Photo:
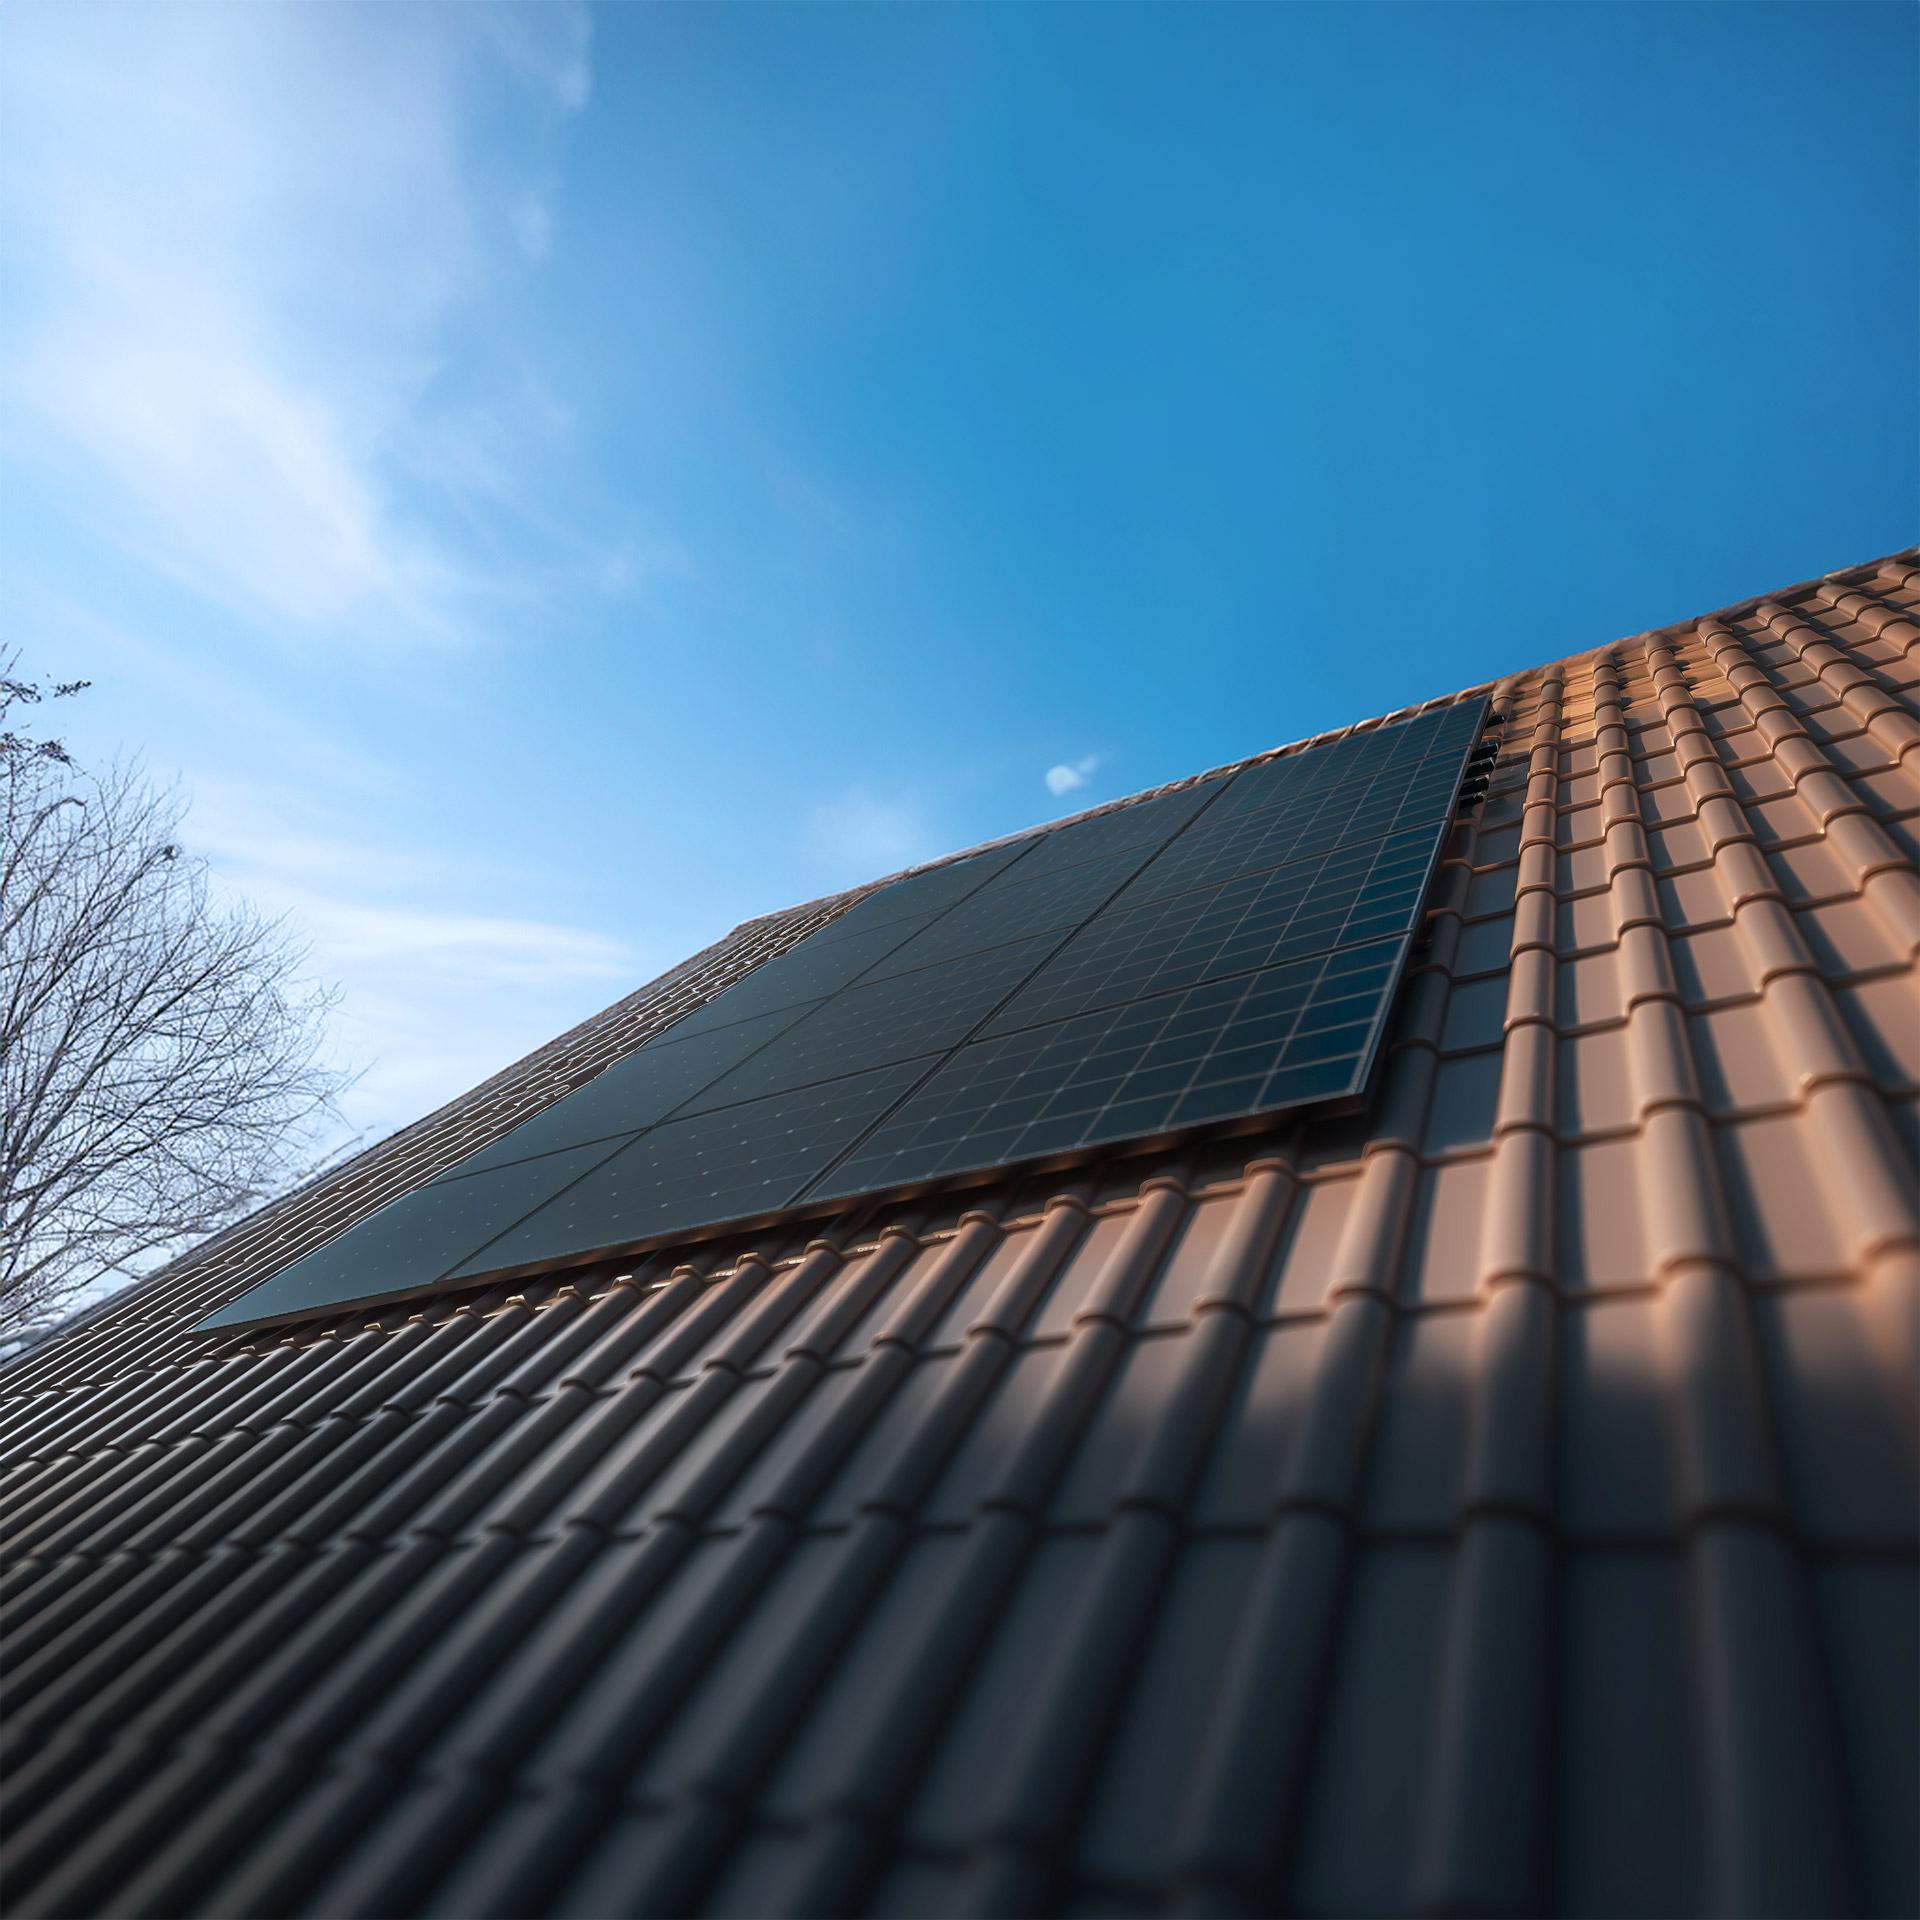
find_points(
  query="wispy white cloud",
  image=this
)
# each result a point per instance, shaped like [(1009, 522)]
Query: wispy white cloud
[(860, 834), (235, 241), (547, 45), (530, 216), (435, 997), (1071, 775)]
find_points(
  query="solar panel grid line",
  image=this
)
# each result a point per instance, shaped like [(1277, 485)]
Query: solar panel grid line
[(1342, 761), (871, 1023), (550, 1128), (996, 918), (939, 887), (618, 1141), (803, 973), (709, 1169), (1236, 926), (1277, 837), (875, 980), (1141, 823), (636, 1091), (1184, 821), (1306, 1075), (416, 1241), (1139, 1067)]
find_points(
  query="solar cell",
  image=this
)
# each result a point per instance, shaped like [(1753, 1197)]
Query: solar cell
[(1233, 926), (1227, 950), (1315, 823), (1358, 756), (1145, 823)]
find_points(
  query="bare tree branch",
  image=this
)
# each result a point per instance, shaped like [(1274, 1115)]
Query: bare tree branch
[(159, 1048)]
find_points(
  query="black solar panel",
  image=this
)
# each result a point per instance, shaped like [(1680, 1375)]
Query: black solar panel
[(898, 1018), (1226, 950), (1011, 909), (413, 1241), (920, 893), (635, 1092), (810, 971), (1246, 1045), (1232, 926), (1144, 824), (728, 1165), (1357, 756), (1315, 822)]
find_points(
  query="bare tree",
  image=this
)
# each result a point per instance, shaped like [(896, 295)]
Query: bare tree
[(160, 1066)]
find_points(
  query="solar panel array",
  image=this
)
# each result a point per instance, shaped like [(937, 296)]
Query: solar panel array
[(1227, 950)]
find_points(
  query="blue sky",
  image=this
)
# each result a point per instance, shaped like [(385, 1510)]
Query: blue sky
[(553, 484)]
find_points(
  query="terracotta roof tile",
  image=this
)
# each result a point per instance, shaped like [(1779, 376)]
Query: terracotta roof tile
[(1503, 1500)]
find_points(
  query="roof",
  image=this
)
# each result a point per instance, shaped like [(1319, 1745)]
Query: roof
[(1503, 1501)]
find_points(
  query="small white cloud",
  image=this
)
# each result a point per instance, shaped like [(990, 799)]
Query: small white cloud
[(530, 219), (549, 46), (1071, 776), (860, 834)]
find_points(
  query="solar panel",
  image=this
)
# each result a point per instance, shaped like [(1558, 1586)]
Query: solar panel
[(1143, 1067), (809, 971), (713, 1167), (1316, 821), (897, 1018), (635, 1092), (413, 1241), (1146, 823), (1010, 909), (920, 893), (1227, 950), (1355, 756), (1231, 926)]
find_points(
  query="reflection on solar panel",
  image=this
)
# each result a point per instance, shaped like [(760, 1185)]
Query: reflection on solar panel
[(1220, 952)]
